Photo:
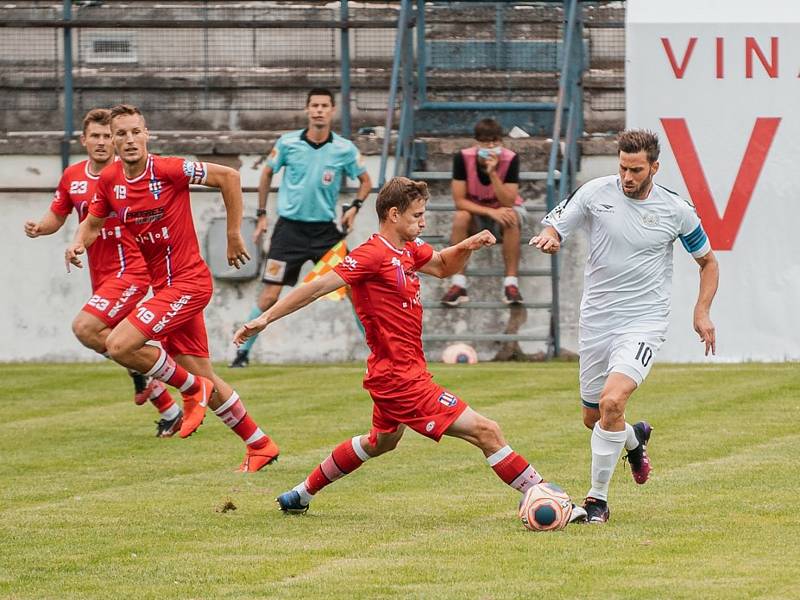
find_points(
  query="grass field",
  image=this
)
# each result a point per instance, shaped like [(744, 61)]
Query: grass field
[(94, 506)]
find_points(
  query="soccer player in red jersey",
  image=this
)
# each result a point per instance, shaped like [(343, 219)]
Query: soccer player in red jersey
[(118, 272), (150, 195), (382, 274)]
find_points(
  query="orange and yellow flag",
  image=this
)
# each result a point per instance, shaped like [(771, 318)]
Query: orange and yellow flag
[(332, 258)]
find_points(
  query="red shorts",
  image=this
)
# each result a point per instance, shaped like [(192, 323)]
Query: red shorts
[(428, 409), (114, 299), (174, 317)]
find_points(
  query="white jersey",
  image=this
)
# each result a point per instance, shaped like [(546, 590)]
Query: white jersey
[(628, 277)]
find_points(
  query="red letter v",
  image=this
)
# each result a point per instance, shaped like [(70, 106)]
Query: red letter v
[(679, 70), (721, 231)]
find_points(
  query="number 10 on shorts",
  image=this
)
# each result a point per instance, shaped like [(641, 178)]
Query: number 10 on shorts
[(644, 354)]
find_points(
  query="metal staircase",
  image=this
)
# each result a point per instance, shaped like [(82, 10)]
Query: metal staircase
[(436, 99)]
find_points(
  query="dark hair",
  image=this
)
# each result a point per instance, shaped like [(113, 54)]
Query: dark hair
[(488, 130), (320, 92), (125, 109), (101, 116), (638, 140), (399, 192)]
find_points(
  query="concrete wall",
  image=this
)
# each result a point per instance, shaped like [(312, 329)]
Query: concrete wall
[(39, 298)]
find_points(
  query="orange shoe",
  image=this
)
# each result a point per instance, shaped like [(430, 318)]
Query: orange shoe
[(256, 459), (195, 406)]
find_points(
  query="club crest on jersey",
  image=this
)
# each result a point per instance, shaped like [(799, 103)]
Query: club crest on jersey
[(156, 187), (651, 219), (327, 177), (447, 399)]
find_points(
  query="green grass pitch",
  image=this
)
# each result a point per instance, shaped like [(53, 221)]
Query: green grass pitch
[(94, 506)]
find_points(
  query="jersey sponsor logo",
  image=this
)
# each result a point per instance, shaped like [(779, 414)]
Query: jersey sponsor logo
[(327, 177), (350, 263), (604, 208), (651, 219), (142, 217), (124, 297), (274, 270), (146, 316), (448, 399), (78, 187), (152, 237)]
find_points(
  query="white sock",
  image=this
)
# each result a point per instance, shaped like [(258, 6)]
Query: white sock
[(172, 412), (631, 441), (606, 448), (510, 280), (305, 497), (460, 280)]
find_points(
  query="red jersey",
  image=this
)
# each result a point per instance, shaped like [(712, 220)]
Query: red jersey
[(386, 297), (114, 253), (156, 208)]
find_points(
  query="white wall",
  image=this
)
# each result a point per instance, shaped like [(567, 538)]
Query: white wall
[(719, 98)]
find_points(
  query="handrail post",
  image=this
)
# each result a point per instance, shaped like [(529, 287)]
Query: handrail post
[(69, 127), (402, 22), (344, 15)]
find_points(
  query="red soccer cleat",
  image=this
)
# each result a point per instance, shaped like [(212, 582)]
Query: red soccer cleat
[(195, 406), (257, 458), (142, 394)]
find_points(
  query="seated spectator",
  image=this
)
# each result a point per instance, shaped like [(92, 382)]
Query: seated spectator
[(485, 190)]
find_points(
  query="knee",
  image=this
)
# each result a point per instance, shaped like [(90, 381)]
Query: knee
[(612, 405), (116, 347), (87, 335), (461, 219), (589, 420), (382, 446), (268, 297), (489, 435)]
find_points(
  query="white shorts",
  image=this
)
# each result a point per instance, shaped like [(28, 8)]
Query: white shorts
[(601, 353)]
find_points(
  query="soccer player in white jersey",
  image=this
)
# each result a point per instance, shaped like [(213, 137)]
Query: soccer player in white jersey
[(632, 225)]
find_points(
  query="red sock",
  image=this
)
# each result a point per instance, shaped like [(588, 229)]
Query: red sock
[(513, 469), (344, 459), (170, 372), (161, 399), (234, 415)]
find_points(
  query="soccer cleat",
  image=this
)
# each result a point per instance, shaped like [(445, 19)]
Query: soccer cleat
[(511, 295), (143, 387), (195, 406), (455, 295), (241, 361), (166, 428), (256, 459), (578, 514), (597, 510), (638, 458), (289, 502)]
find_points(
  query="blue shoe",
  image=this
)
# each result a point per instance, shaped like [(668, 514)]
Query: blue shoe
[(289, 502)]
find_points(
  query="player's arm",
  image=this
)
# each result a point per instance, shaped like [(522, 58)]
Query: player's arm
[(709, 282), (451, 260), (48, 224), (295, 300), (85, 236), (548, 240), (229, 183), (364, 188), (264, 183)]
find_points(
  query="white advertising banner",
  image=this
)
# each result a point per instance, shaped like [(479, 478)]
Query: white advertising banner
[(719, 81)]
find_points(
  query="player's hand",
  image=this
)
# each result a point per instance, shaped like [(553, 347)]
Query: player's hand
[(479, 240), (261, 229), (490, 164), (546, 243), (505, 215), (32, 229), (705, 329), (237, 253), (248, 330), (71, 255), (349, 219)]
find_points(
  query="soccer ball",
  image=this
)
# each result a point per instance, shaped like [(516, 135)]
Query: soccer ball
[(545, 507), (459, 353)]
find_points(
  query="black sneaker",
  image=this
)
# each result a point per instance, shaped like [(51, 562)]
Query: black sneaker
[(290, 503), (140, 381), (596, 510), (241, 361), (455, 295), (638, 458), (511, 295), (168, 427)]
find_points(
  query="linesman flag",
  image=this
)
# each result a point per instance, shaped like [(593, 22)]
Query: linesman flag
[(332, 258)]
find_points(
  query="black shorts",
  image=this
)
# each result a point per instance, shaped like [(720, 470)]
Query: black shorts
[(292, 244)]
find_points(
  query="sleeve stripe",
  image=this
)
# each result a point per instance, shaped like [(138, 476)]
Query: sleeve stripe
[(695, 240)]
